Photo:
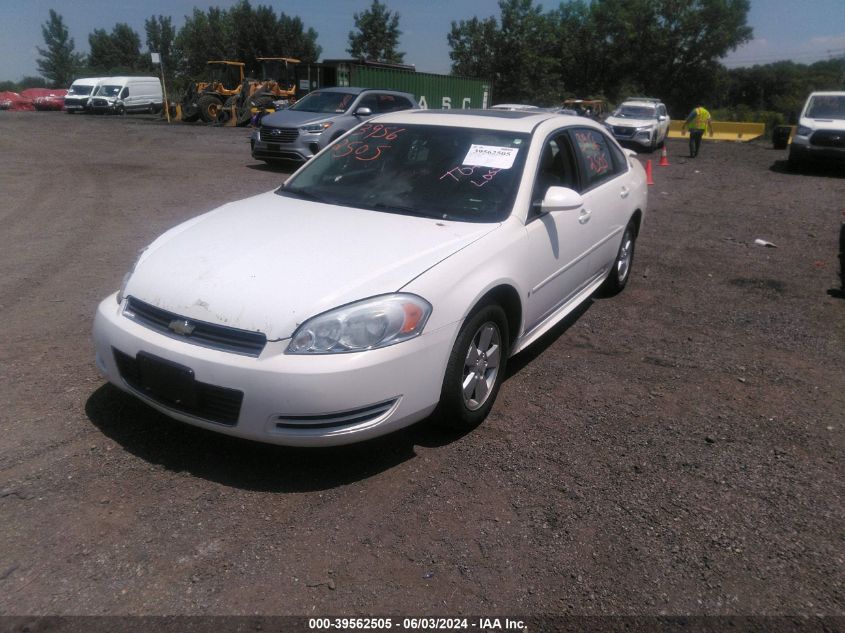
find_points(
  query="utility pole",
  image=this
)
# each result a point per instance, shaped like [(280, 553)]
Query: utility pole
[(156, 59)]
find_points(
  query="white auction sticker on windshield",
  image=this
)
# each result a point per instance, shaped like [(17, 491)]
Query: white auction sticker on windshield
[(491, 156)]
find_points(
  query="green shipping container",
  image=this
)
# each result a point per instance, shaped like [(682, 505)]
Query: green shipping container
[(433, 92)]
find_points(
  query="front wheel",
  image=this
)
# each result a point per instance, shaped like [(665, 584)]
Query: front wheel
[(619, 274), (209, 108), (795, 159), (475, 369)]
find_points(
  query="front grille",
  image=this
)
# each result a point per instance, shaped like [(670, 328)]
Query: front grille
[(337, 420), (828, 138), (619, 130), (219, 337), (99, 103), (278, 134), (212, 403)]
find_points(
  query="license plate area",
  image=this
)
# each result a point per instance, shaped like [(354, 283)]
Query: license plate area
[(167, 382)]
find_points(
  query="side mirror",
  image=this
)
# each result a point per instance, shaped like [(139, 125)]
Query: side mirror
[(662, 117), (363, 111), (560, 199)]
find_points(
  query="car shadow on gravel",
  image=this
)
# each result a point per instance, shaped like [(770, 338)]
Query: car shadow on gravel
[(231, 461), (825, 170)]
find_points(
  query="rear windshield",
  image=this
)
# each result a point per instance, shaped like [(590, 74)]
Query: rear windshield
[(826, 107), (450, 173)]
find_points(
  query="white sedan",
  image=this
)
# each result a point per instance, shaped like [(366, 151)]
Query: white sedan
[(389, 279)]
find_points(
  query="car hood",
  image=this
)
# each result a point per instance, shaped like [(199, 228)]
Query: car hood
[(628, 122), (822, 123), (295, 118), (269, 262)]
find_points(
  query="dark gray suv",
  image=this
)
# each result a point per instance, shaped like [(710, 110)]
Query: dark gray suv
[(320, 117)]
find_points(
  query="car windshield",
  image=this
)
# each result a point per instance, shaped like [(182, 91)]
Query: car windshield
[(450, 173), (636, 112), (329, 102), (108, 91), (80, 90), (826, 107)]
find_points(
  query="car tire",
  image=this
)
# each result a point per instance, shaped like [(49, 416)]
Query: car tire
[(475, 370), (209, 108), (190, 113), (620, 272)]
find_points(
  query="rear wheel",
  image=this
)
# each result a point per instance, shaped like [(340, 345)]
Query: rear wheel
[(209, 108), (475, 369)]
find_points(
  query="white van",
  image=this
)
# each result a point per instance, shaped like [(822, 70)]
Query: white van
[(821, 130), (128, 94), (79, 94)]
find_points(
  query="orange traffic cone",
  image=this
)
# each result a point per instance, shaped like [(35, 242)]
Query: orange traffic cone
[(649, 179), (664, 158)]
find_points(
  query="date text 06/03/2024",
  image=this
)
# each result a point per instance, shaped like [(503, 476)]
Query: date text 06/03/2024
[(417, 624)]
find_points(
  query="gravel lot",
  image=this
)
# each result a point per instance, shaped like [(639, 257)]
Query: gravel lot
[(673, 450)]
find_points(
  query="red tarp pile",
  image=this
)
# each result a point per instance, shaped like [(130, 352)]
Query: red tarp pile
[(33, 99)]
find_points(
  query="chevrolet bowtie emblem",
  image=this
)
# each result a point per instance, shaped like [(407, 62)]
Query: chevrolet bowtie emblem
[(181, 327)]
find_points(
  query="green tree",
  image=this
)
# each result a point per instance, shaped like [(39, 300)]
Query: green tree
[(473, 47), (579, 50), (259, 32), (58, 62), (518, 52), (377, 35), (241, 34), (160, 38), (118, 51), (203, 37), (296, 41), (669, 48)]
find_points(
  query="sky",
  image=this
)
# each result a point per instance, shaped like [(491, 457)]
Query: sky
[(801, 30)]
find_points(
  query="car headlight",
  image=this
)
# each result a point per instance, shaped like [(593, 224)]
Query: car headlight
[(368, 324), (803, 131), (316, 127)]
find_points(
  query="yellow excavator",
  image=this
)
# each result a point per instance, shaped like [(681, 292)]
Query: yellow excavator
[(227, 88), (205, 99)]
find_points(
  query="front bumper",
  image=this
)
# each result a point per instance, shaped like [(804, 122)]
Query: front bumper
[(631, 135), (76, 105), (302, 149), (296, 400), (804, 149)]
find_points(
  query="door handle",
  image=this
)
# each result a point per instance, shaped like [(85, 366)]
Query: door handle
[(624, 193), (584, 217)]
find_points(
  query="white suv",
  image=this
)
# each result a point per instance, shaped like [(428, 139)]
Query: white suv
[(640, 120), (821, 129)]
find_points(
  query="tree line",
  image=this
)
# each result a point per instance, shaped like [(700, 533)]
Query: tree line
[(611, 49)]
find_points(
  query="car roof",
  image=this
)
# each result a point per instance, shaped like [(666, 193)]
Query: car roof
[(507, 120), (358, 90), (642, 102)]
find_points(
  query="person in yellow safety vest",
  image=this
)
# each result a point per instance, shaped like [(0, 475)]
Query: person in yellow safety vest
[(697, 121)]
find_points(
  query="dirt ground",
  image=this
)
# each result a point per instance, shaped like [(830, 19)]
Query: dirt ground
[(673, 450)]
